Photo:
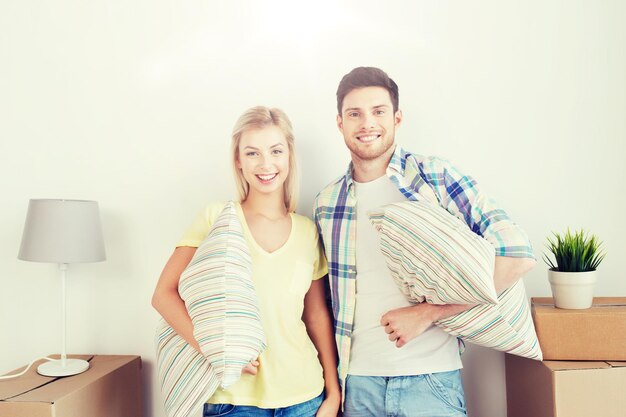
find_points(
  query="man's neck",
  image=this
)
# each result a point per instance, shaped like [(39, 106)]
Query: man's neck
[(369, 170)]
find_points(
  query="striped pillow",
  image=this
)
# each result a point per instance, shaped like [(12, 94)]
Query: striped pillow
[(221, 300), (433, 256), (427, 249), (506, 326), (187, 380)]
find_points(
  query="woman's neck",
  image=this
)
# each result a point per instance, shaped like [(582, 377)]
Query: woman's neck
[(271, 206)]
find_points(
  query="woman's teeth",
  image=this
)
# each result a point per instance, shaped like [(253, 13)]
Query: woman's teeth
[(267, 177)]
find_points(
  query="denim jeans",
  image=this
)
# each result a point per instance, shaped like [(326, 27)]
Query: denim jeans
[(430, 395), (305, 409)]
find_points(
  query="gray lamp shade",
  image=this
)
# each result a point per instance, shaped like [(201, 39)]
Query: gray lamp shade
[(62, 231)]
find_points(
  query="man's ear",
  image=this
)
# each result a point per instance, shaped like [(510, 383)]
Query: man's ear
[(398, 117), (340, 123)]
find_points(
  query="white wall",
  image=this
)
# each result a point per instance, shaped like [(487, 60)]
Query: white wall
[(132, 103)]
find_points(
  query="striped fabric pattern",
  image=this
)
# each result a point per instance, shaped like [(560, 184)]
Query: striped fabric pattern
[(187, 379), (447, 263), (506, 326), (219, 294), (418, 239)]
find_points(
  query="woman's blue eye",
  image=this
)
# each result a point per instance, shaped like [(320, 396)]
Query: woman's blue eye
[(278, 151), (250, 153)]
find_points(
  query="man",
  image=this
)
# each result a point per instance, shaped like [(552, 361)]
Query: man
[(392, 359)]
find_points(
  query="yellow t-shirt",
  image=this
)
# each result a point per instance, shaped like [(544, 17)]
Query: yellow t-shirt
[(289, 372)]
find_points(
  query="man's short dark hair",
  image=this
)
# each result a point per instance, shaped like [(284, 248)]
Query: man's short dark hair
[(367, 77)]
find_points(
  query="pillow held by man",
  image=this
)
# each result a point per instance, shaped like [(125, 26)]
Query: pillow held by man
[(435, 257)]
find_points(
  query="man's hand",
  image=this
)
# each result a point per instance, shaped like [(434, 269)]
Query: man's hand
[(251, 368), (406, 323)]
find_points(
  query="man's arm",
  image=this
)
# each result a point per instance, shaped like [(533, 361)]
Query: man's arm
[(460, 194), (508, 271), (404, 324)]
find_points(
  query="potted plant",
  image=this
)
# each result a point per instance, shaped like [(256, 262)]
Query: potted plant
[(573, 275)]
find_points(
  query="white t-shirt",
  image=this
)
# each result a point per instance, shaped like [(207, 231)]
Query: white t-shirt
[(372, 353)]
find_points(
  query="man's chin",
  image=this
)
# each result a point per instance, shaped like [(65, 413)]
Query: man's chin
[(370, 153)]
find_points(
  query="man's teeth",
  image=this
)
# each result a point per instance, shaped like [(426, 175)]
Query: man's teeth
[(267, 177), (368, 138)]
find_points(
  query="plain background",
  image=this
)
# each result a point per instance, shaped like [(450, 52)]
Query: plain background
[(131, 103)]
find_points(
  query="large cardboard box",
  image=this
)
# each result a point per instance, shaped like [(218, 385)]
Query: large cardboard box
[(111, 387), (597, 333), (565, 389)]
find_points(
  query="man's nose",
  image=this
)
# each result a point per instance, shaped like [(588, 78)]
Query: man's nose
[(368, 121)]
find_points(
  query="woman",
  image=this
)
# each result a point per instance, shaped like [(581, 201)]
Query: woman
[(289, 269)]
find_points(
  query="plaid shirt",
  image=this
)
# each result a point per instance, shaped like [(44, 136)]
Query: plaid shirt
[(418, 178)]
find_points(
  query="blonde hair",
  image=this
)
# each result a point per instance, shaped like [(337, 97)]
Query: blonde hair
[(260, 117)]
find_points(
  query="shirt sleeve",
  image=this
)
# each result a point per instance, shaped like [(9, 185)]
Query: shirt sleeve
[(320, 265), (197, 231), (461, 196)]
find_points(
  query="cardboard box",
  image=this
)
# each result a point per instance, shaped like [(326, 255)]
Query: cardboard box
[(565, 389), (111, 387), (597, 333)]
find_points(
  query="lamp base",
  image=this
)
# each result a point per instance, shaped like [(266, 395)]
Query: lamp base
[(56, 368)]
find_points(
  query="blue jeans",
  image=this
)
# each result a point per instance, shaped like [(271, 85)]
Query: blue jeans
[(305, 409), (430, 395)]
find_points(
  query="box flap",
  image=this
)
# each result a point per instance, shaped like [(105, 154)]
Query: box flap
[(31, 380), (598, 302), (22, 384), (617, 364), (576, 365)]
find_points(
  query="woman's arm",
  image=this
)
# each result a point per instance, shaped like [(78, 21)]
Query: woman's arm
[(166, 299), (318, 325)]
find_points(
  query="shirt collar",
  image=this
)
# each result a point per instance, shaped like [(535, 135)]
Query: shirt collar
[(397, 164)]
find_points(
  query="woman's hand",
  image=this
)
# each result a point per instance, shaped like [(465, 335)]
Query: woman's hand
[(251, 368), (329, 407)]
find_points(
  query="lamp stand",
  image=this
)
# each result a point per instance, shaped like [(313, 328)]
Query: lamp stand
[(63, 366)]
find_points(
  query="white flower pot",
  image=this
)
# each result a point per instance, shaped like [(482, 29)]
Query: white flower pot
[(572, 290)]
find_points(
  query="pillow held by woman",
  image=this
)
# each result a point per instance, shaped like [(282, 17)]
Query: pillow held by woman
[(219, 294)]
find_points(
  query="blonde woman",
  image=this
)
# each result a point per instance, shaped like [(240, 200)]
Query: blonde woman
[(296, 375)]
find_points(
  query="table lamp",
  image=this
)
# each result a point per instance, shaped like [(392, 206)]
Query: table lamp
[(62, 232)]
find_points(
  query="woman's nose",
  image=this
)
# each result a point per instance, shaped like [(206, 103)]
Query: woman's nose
[(264, 161)]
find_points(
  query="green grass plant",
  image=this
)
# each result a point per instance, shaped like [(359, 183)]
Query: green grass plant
[(577, 252)]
